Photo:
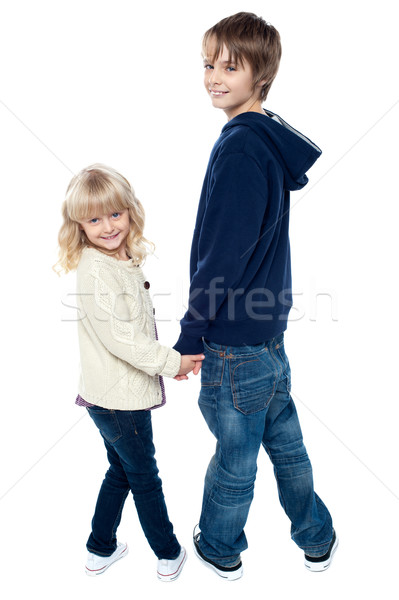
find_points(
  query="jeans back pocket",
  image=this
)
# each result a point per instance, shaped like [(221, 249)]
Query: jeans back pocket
[(107, 422), (253, 382)]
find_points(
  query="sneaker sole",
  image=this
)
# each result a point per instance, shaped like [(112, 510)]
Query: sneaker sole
[(94, 573), (322, 566), (228, 575)]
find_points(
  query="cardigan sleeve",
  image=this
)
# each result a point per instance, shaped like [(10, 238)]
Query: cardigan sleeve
[(115, 320)]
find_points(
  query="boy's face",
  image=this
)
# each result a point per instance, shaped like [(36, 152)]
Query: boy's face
[(230, 85)]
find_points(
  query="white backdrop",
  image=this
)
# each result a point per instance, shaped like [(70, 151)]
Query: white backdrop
[(121, 82)]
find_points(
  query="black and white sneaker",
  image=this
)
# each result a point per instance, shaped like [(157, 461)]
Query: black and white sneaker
[(229, 573), (321, 563)]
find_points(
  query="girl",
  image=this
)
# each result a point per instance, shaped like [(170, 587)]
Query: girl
[(122, 363)]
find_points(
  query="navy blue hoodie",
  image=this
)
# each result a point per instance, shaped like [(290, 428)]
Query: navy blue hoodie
[(240, 266)]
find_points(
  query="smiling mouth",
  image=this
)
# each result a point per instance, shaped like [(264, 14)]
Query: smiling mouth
[(111, 237), (217, 93)]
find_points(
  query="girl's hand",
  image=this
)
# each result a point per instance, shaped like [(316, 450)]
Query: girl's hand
[(189, 362), (180, 377)]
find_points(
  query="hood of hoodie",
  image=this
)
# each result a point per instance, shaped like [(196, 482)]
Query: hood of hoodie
[(294, 152)]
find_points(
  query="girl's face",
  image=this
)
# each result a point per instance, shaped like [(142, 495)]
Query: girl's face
[(109, 232)]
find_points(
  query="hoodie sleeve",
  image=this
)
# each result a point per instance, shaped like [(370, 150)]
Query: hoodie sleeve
[(229, 230)]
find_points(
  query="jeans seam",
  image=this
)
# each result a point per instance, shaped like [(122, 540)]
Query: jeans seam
[(256, 355), (305, 549), (133, 422), (233, 387), (236, 492), (118, 516), (137, 433), (286, 367), (219, 383), (161, 517), (212, 349)]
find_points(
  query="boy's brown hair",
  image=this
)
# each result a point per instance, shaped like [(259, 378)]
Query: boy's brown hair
[(249, 37)]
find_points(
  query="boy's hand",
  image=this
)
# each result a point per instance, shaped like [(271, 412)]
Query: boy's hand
[(189, 362)]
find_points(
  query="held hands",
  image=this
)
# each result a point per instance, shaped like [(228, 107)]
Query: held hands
[(189, 362)]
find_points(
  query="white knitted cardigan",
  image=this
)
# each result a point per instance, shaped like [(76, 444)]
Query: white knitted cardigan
[(120, 358)]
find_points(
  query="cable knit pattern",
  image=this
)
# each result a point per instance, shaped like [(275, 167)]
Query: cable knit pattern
[(121, 360)]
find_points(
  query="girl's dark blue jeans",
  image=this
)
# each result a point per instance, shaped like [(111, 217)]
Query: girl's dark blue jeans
[(127, 437)]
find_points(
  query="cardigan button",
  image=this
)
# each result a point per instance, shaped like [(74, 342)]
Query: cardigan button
[(147, 285)]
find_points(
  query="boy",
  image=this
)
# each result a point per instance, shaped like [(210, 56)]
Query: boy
[(240, 297)]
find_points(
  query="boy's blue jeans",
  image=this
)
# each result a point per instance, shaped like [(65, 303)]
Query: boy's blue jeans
[(246, 402), (127, 437)]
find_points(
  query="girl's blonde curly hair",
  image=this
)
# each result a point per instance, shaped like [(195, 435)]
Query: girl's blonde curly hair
[(99, 190)]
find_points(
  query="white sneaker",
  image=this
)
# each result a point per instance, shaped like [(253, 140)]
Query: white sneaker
[(95, 565), (169, 570)]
